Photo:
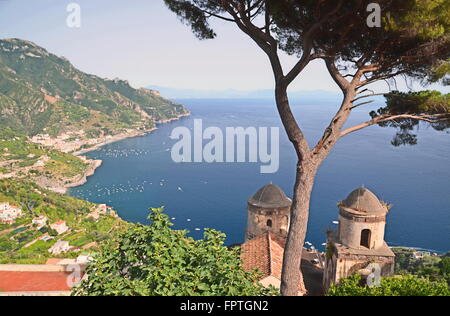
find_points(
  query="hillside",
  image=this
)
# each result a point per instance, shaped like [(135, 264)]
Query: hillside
[(41, 93), (52, 169), (25, 242)]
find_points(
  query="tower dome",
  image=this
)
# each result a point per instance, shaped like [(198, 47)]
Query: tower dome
[(358, 246), (270, 196), (268, 211), (362, 220), (363, 202)]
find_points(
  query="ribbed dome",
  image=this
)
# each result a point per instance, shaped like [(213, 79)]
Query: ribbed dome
[(270, 196), (363, 200)]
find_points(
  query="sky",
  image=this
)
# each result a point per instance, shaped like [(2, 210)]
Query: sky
[(143, 42)]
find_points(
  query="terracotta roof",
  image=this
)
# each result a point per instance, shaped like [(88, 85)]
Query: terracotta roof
[(33, 281), (264, 253)]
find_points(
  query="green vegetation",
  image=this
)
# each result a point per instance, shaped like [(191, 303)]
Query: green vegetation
[(436, 268), (432, 106), (156, 260), (36, 201), (394, 286), (427, 276), (43, 93), (18, 154)]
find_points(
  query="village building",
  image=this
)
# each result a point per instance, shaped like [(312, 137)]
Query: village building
[(84, 259), (46, 237), (358, 245), (60, 227), (9, 213), (419, 255), (60, 247), (94, 215), (104, 209), (40, 222)]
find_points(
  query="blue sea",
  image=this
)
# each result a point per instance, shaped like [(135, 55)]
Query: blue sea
[(138, 174)]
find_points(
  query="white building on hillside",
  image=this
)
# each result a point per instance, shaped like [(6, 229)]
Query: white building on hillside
[(40, 222), (60, 247), (9, 213), (60, 227)]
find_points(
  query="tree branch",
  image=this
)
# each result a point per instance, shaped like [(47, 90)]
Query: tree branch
[(368, 96), (336, 75), (361, 104), (430, 118)]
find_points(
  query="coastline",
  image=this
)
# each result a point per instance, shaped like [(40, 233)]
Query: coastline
[(113, 139), (62, 188), (122, 136), (94, 164)]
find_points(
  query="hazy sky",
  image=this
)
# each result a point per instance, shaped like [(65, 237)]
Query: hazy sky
[(143, 42)]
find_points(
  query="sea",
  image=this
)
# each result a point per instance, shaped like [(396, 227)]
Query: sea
[(139, 173)]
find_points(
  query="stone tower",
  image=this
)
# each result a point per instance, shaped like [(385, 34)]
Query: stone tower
[(268, 211), (358, 245)]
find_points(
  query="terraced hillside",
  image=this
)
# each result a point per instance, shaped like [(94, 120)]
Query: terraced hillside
[(25, 242), (19, 158)]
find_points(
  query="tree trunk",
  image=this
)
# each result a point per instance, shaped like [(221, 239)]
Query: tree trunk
[(292, 280)]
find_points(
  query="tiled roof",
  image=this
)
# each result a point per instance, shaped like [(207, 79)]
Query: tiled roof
[(11, 281), (264, 253)]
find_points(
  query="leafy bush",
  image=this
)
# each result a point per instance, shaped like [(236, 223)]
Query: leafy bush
[(158, 261), (408, 285)]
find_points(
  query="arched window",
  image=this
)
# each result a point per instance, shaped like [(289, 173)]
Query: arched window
[(366, 235), (269, 223)]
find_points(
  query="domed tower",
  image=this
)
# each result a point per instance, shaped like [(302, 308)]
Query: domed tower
[(358, 246), (268, 211), (362, 220)]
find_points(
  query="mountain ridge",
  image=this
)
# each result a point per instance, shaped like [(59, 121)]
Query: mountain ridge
[(43, 93)]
